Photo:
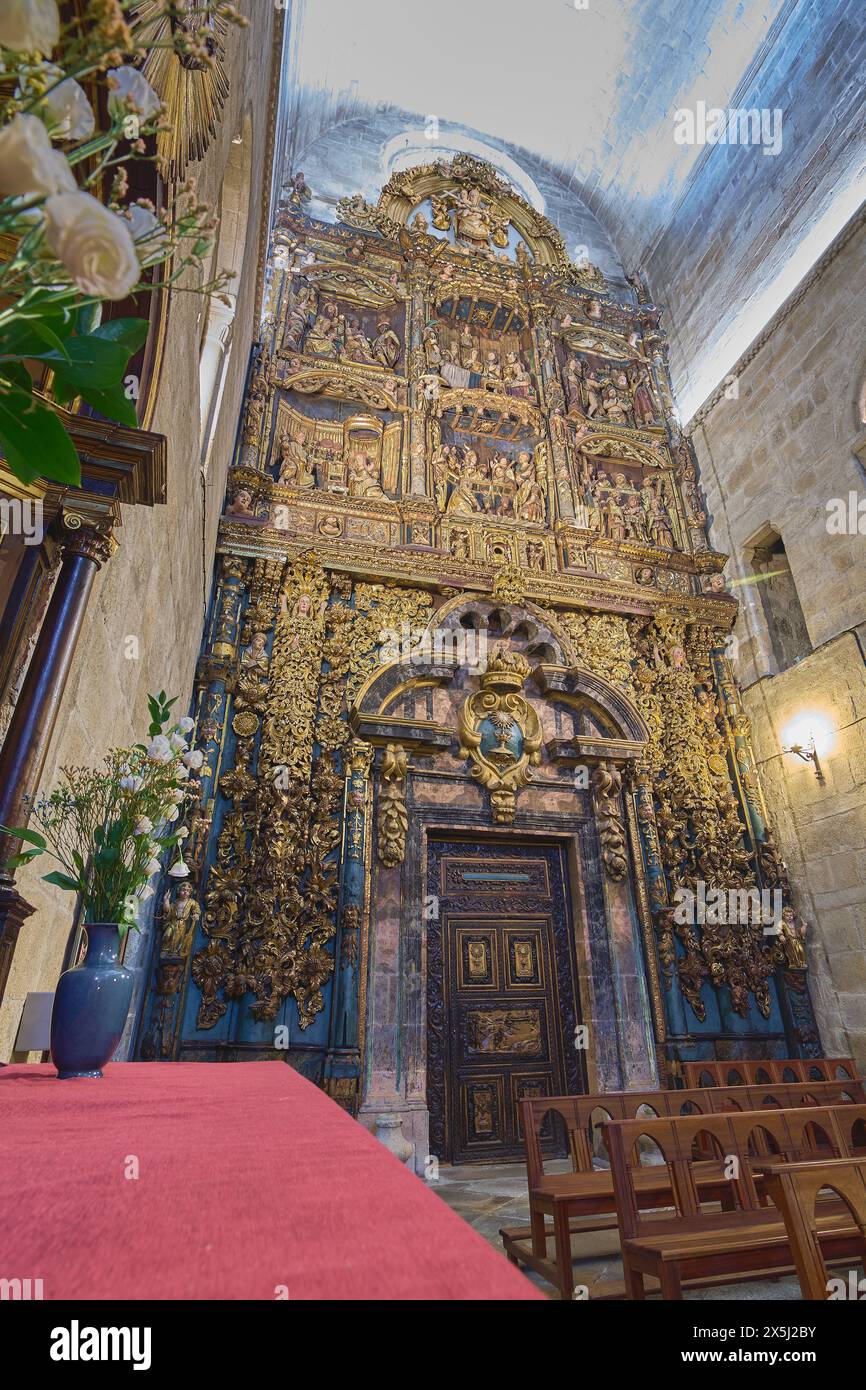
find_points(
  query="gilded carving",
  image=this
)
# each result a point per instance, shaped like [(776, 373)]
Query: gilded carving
[(607, 793), (500, 732), (393, 819)]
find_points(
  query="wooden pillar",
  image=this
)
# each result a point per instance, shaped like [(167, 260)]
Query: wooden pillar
[(84, 548)]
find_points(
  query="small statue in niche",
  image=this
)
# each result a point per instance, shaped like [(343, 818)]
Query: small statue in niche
[(241, 505), (252, 431), (324, 337), (299, 193), (635, 516), (301, 307), (463, 500), (459, 545), (357, 347), (529, 501), (643, 407), (386, 345), (466, 346), (439, 467), (432, 348), (615, 518), (492, 376), (254, 657), (660, 528), (613, 408), (502, 485), (364, 477), (294, 464), (516, 377), (180, 919), (535, 555)]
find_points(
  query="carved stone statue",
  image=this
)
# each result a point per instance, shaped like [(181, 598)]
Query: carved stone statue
[(179, 921), (364, 477), (294, 463), (324, 337), (386, 345)]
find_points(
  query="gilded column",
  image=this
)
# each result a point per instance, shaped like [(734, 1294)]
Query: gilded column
[(343, 1063)]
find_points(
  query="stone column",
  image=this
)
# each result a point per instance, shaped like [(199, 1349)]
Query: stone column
[(85, 546)]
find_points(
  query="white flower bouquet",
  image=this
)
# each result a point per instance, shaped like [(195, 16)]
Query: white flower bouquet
[(107, 829), (75, 110)]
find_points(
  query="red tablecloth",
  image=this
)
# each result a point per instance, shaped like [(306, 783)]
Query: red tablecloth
[(249, 1179)]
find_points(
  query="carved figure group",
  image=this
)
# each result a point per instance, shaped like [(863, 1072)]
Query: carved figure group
[(616, 508), (619, 395), (499, 485)]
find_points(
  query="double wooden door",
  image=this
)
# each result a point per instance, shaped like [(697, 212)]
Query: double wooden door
[(501, 998)]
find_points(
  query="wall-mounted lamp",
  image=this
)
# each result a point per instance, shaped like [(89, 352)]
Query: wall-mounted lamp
[(809, 737), (809, 754)]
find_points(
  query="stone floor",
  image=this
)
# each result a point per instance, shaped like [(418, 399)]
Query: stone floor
[(490, 1196)]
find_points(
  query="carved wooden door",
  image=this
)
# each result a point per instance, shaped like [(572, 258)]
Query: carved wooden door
[(503, 1013)]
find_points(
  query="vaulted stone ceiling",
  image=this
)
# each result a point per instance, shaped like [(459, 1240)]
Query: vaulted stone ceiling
[(585, 99)]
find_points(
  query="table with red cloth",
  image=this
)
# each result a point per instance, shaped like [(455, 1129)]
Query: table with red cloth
[(251, 1183)]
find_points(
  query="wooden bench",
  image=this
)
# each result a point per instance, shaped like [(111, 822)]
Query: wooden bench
[(566, 1204), (748, 1238), (772, 1072), (795, 1188)]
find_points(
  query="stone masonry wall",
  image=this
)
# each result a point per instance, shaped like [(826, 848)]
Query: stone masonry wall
[(774, 457)]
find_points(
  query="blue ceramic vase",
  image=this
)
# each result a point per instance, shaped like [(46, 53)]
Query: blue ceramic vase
[(90, 1006)]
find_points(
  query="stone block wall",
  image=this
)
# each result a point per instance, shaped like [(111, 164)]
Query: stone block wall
[(774, 457)]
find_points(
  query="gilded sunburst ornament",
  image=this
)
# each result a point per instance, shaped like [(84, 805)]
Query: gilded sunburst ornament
[(193, 84)]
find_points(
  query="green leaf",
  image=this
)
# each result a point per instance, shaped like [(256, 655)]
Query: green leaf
[(88, 361), (30, 837), (18, 859), (62, 881), (132, 333), (111, 402), (35, 444)]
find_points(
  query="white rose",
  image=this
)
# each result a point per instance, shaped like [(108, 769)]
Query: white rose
[(178, 743), (143, 825), (159, 750), (95, 246), (152, 867), (131, 784), (193, 759), (185, 724), (176, 796), (68, 112), (129, 89), (151, 240), (29, 164), (29, 26), (145, 892), (172, 813)]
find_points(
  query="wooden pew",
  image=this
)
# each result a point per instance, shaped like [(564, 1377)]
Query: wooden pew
[(794, 1188), (747, 1239), (583, 1200), (772, 1072)]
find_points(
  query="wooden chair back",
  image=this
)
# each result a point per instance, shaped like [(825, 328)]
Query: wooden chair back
[(788, 1135), (577, 1114), (770, 1072)]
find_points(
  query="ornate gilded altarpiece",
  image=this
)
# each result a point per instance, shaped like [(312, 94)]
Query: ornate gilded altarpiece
[(457, 442)]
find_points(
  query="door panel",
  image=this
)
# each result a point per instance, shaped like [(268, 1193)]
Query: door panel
[(504, 997)]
